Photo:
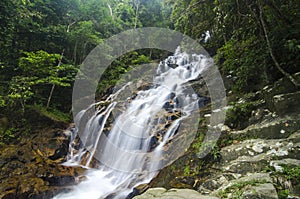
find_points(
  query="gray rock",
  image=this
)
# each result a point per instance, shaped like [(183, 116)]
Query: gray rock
[(254, 155), (162, 193), (278, 128), (278, 163), (257, 177), (282, 86), (287, 103), (265, 191)]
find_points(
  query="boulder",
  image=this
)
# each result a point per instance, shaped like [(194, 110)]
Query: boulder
[(162, 193), (282, 86), (287, 103), (276, 128), (266, 191)]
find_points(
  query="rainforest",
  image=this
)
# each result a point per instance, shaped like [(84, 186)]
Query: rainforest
[(196, 99)]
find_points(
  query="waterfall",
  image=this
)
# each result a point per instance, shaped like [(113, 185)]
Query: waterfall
[(126, 139)]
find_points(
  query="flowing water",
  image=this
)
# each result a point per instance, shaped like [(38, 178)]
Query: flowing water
[(129, 150)]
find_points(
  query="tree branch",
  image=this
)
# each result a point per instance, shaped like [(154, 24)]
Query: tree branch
[(289, 76), (190, 7)]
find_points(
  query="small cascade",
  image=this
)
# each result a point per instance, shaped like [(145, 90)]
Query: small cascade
[(123, 143)]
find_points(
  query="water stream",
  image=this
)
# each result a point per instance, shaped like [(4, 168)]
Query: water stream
[(129, 150)]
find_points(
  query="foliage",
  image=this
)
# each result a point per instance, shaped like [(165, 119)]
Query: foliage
[(142, 59), (238, 38), (283, 194), (187, 170), (239, 112), (7, 135), (21, 89), (245, 66), (54, 114), (37, 69), (289, 176), (291, 173), (37, 35), (119, 67)]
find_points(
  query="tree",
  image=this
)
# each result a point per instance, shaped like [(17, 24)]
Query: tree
[(38, 70), (256, 42)]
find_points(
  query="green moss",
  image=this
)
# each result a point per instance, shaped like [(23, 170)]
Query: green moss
[(238, 189), (53, 114), (7, 135), (187, 170), (283, 194), (291, 173)]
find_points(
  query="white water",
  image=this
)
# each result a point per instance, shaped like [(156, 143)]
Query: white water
[(127, 154)]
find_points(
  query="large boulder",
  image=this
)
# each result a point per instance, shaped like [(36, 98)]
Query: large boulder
[(266, 191), (162, 193), (287, 103)]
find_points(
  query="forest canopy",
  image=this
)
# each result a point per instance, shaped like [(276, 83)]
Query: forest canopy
[(43, 42)]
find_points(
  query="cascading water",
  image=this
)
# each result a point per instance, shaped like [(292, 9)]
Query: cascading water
[(131, 150)]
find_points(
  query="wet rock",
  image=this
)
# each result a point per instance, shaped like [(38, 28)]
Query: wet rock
[(259, 115), (269, 140), (138, 190), (154, 141), (60, 180), (183, 182), (172, 65), (171, 96), (60, 152), (211, 185), (203, 101), (31, 169), (169, 105)]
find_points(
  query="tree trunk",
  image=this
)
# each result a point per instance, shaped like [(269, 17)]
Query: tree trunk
[(75, 53), (110, 10), (137, 5), (53, 85), (50, 96), (286, 74)]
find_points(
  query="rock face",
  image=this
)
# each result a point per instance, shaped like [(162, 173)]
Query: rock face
[(30, 167), (261, 160)]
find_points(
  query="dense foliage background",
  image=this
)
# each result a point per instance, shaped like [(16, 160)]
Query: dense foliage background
[(43, 43)]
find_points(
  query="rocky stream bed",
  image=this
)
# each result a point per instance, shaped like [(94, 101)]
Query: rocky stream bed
[(258, 159)]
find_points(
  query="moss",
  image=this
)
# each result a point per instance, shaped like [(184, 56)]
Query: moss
[(7, 135), (187, 170), (238, 115), (292, 173), (52, 114), (238, 189), (283, 194)]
